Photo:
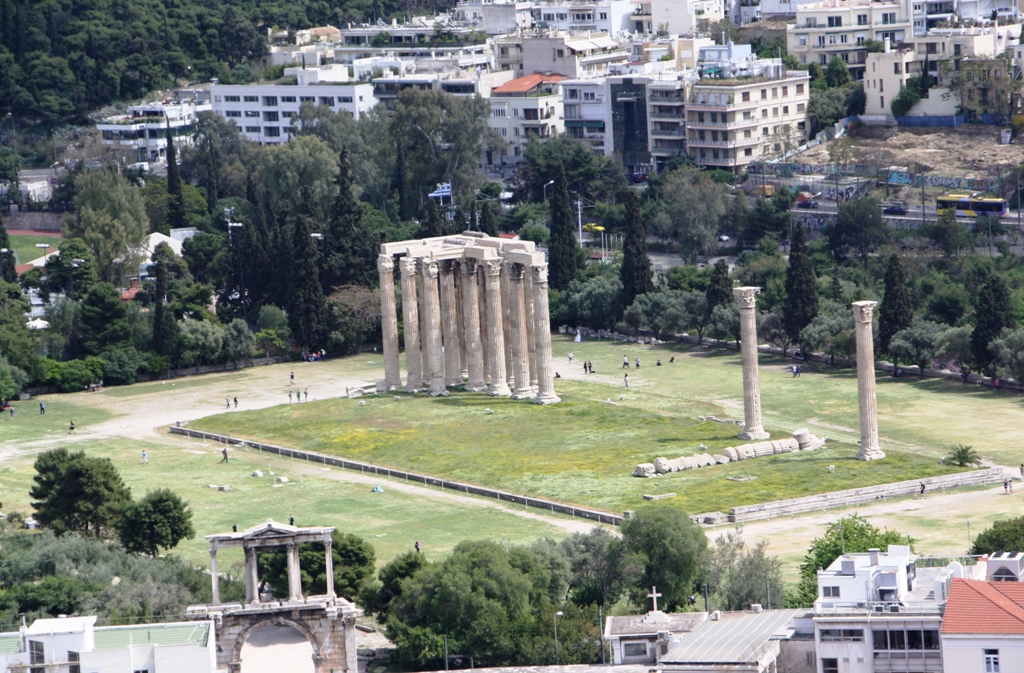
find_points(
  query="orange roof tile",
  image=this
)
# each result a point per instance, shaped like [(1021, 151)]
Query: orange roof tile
[(528, 83), (984, 607)]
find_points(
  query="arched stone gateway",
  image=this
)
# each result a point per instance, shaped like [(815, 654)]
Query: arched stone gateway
[(328, 621)]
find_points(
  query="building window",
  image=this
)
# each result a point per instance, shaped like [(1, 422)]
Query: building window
[(590, 95), (802, 40), (748, 152), (232, 113), (574, 94), (502, 132), (36, 652), (800, 107), (829, 666), (634, 649), (888, 18), (991, 661), (288, 115), (785, 109), (73, 666), (862, 19), (835, 22), (746, 97), (821, 42), (252, 99), (831, 39), (287, 99), (842, 38), (307, 99), (764, 94), (271, 131), (270, 116), (822, 58), (842, 635), (498, 112), (232, 99), (785, 91), (799, 88), (860, 41), (881, 102), (270, 101), (327, 100), (252, 129), (604, 16), (896, 69), (775, 112), (515, 131)]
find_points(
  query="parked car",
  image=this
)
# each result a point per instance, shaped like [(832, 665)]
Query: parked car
[(895, 210), (811, 203)]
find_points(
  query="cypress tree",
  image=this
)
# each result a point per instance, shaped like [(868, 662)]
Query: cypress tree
[(720, 289), (488, 224), (350, 248), (307, 310), (474, 224), (896, 311), (10, 274), (836, 291), (992, 312), (175, 200), (433, 226), (165, 330), (636, 273), (400, 183), (562, 250), (801, 288)]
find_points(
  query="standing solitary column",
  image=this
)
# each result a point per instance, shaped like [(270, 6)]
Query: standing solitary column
[(495, 329), (751, 377), (471, 315), (411, 317), (294, 579), (213, 574), (520, 351), (389, 323), (329, 567), (252, 579), (450, 324), (432, 320), (869, 450), (545, 376)]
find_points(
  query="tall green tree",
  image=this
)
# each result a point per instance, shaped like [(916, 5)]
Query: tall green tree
[(636, 273), (992, 312), (400, 184), (488, 223), (104, 320), (111, 220), (1003, 535), (858, 228), (896, 311), (7, 271), (78, 493), (175, 198), (351, 247), (719, 291), (562, 255), (165, 329), (672, 548), (307, 310), (161, 519), (801, 304), (433, 226)]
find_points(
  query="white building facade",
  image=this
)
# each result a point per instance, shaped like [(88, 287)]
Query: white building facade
[(527, 107), (143, 131)]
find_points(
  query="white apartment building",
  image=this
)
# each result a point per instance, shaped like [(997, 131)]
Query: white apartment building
[(573, 56), (77, 645), (781, 9), (455, 82), (839, 28), (885, 73), (264, 112), (679, 17), (731, 122), (879, 613), (143, 131), (527, 107), (588, 113), (495, 18)]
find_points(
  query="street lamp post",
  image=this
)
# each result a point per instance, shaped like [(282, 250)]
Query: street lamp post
[(3, 262), (14, 132), (549, 183), (557, 615)]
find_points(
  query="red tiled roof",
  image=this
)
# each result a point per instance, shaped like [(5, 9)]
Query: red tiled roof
[(984, 607), (528, 83), (510, 237)]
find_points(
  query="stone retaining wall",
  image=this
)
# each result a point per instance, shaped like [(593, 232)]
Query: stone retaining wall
[(857, 496), (313, 457)]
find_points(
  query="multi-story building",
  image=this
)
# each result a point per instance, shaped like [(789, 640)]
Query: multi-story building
[(885, 73), (143, 131), (733, 121), (264, 112), (879, 613), (983, 626), (495, 18), (456, 82), (675, 17), (840, 28), (571, 55), (527, 107), (588, 113), (508, 53), (666, 115)]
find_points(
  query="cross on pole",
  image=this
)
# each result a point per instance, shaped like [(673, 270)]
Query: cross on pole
[(655, 596)]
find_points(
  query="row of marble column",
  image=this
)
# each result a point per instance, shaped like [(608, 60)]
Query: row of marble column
[(753, 429), (481, 323)]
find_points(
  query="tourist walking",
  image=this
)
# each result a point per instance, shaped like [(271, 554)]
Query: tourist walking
[(1006, 487), (289, 397), (305, 394), (71, 429), (625, 379), (227, 402), (42, 408), (625, 362), (922, 488), (570, 356), (224, 455), (638, 363), (417, 545), (291, 378), (236, 403), (145, 457)]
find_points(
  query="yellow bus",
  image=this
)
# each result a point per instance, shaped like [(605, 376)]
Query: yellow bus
[(966, 205)]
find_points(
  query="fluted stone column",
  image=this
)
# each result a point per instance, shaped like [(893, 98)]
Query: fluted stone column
[(495, 329), (506, 319), (471, 328), (460, 320), (389, 323), (329, 566), (520, 347), (485, 342), (411, 317), (294, 579), (252, 580), (450, 324), (531, 327), (746, 296), (869, 449), (542, 317), (214, 576), (434, 371)]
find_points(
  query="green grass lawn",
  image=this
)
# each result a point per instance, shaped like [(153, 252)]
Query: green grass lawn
[(28, 424), (391, 520), (581, 451), (25, 250)]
